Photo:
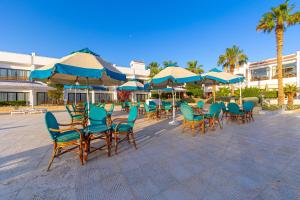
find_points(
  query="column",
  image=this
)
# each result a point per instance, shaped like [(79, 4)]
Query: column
[(93, 96)]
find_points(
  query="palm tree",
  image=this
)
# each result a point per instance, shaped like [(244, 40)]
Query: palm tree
[(278, 19), (290, 90), (233, 58), (193, 67), (154, 68), (169, 63)]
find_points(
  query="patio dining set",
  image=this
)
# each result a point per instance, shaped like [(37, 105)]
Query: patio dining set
[(89, 123)]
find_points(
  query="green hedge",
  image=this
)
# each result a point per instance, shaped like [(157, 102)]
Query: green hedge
[(270, 94), (12, 103), (266, 106), (255, 100), (188, 100)]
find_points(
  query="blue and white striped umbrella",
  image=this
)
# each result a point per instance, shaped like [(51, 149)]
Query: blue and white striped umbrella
[(132, 85), (81, 66)]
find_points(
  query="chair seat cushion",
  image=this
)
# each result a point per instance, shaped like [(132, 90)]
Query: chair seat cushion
[(198, 117), (68, 136), (96, 128), (77, 116), (122, 127), (208, 115)]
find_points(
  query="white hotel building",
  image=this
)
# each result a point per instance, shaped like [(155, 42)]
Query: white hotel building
[(263, 74), (15, 85)]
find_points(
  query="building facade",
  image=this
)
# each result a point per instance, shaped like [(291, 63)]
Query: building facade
[(15, 69), (263, 74)]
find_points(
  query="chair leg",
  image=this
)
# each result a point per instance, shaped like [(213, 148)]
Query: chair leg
[(107, 140), (193, 128), (133, 140), (183, 126), (52, 156), (116, 142), (221, 127)]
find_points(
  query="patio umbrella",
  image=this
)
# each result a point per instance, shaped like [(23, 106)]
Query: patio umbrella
[(83, 67), (132, 85), (215, 76), (173, 76)]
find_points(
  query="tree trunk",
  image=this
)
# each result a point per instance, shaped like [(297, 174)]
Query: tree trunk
[(290, 99), (232, 86), (279, 40)]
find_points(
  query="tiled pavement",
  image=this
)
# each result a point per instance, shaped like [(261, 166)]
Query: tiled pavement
[(259, 160)]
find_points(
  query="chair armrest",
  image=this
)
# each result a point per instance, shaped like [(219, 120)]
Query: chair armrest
[(119, 119), (70, 124), (117, 126)]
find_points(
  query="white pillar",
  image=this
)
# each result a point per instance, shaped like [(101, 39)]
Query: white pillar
[(32, 98), (93, 96)]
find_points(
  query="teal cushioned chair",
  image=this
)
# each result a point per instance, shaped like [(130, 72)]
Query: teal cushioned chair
[(124, 126), (64, 140), (190, 118), (97, 129), (75, 117), (152, 105), (248, 109), (235, 112), (224, 109), (150, 112), (214, 115), (200, 104), (167, 108)]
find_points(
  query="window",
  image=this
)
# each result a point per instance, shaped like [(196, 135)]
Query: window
[(288, 70), (14, 96), (103, 97), (13, 74), (80, 97), (260, 74), (41, 98), (3, 96), (141, 97)]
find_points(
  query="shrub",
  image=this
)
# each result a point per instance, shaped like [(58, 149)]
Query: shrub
[(154, 96), (250, 92), (293, 107), (270, 94), (12, 103), (188, 100), (194, 90), (223, 92), (271, 107), (255, 100)]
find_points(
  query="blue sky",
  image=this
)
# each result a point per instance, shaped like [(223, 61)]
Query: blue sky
[(146, 30)]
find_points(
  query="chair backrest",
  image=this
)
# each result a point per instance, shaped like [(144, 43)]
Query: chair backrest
[(147, 109), (74, 107), (233, 108), (215, 109), (168, 106), (223, 106), (152, 104), (69, 110), (97, 116), (51, 122), (248, 106), (187, 112), (127, 103), (132, 116), (200, 104), (111, 109)]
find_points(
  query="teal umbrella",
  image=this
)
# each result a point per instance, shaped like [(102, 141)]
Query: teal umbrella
[(173, 76), (132, 85), (215, 76)]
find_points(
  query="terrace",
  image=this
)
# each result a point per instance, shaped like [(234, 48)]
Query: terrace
[(257, 160)]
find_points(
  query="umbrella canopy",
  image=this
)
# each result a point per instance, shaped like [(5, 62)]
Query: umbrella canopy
[(223, 77), (132, 85), (169, 89), (173, 76), (92, 87), (78, 67)]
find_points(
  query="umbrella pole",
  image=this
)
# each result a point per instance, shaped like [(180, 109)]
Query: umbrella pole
[(241, 101), (75, 96), (214, 93), (173, 122), (88, 98), (159, 102)]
